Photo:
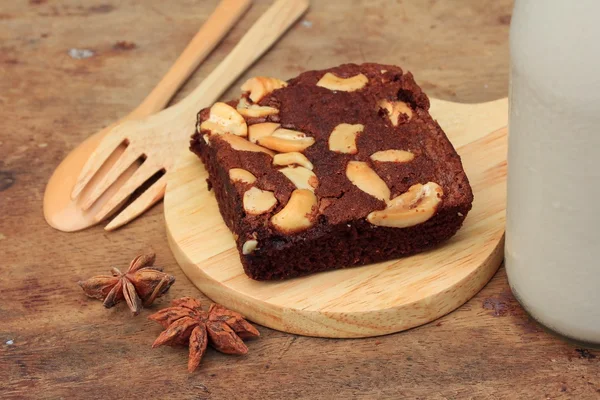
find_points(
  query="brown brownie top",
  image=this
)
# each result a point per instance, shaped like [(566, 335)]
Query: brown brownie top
[(355, 121)]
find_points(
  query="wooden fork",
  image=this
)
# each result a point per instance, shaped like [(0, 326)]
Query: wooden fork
[(65, 214), (158, 139)]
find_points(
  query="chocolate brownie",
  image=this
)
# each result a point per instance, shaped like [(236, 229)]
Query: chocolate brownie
[(331, 169)]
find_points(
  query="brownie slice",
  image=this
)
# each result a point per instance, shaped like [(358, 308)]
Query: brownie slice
[(334, 168)]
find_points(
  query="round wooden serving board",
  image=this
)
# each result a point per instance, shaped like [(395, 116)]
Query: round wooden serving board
[(362, 301)]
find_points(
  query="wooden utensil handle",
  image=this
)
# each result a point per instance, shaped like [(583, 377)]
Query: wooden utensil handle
[(227, 13), (261, 36)]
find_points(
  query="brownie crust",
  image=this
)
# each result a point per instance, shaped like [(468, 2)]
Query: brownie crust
[(340, 235)]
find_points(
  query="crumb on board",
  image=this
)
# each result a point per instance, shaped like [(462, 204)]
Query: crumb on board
[(124, 45), (80, 54), (585, 353)]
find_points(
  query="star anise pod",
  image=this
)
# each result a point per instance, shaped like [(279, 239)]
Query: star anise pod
[(187, 322), (139, 286)]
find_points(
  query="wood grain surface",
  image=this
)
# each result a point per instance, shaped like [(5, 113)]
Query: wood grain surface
[(55, 343), (374, 300)]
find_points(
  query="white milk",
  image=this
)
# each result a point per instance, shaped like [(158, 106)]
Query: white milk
[(553, 216)]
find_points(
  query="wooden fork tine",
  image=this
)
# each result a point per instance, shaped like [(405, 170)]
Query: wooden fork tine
[(105, 148), (145, 172), (146, 200), (124, 162)]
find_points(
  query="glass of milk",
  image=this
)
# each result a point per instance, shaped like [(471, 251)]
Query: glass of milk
[(553, 211)]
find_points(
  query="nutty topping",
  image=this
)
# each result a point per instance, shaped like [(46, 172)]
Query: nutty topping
[(394, 109), (343, 138), (324, 203), (241, 144), (301, 177), (249, 246), (257, 201), (241, 175), (332, 82), (257, 131), (414, 207), (399, 156), (286, 141), (293, 158), (298, 214), (367, 180), (261, 86), (225, 119), (254, 110)]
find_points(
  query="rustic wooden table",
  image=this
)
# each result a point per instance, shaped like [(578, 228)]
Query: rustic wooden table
[(56, 343)]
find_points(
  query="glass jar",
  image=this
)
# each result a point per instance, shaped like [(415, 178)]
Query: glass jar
[(553, 210)]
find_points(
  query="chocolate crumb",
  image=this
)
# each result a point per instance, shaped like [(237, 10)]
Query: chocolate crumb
[(505, 19), (7, 179), (124, 45), (585, 354)]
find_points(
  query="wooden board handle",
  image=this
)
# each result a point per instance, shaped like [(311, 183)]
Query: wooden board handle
[(465, 123), (261, 36), (227, 13)]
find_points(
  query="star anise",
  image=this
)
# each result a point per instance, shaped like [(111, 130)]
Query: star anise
[(139, 286), (187, 322)]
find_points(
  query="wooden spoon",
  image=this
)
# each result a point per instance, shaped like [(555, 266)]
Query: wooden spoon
[(160, 138), (65, 214)]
